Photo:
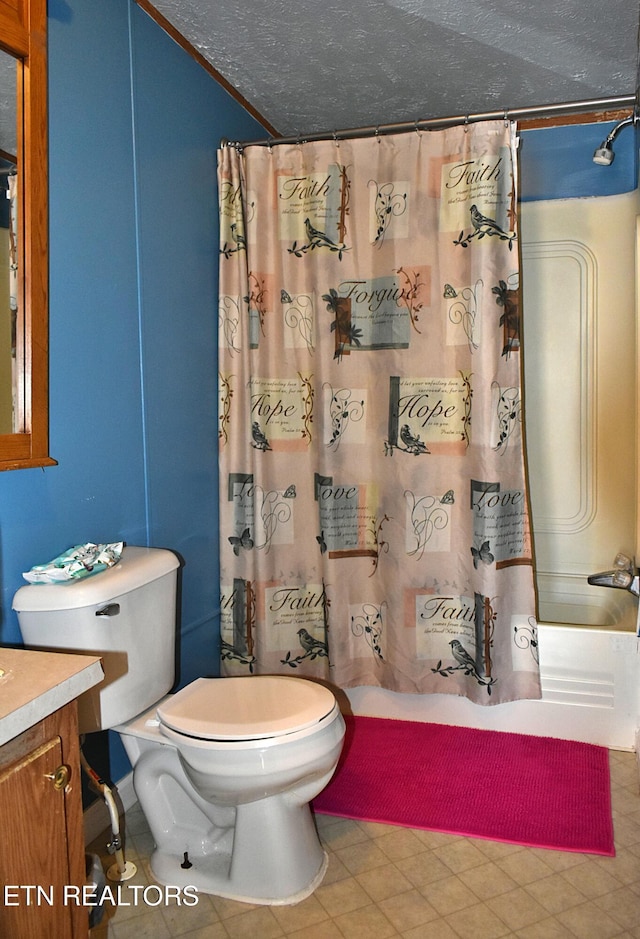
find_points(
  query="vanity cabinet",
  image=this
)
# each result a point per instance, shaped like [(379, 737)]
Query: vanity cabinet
[(42, 854), (42, 858)]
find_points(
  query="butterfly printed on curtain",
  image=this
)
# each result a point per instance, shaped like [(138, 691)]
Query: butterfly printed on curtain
[(243, 541), (483, 554)]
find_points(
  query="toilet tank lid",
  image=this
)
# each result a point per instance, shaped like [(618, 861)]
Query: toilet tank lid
[(137, 567)]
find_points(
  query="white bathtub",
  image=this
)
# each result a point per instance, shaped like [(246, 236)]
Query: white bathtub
[(589, 671), (590, 692)]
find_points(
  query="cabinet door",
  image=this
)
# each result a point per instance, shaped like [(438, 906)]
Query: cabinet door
[(34, 867)]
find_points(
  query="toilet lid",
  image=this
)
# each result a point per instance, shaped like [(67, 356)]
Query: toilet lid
[(246, 708)]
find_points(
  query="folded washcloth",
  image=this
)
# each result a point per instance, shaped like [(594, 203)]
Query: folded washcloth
[(79, 561)]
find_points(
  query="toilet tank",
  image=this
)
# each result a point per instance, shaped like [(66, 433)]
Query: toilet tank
[(125, 614)]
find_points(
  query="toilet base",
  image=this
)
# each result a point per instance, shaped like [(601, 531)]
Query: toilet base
[(210, 875), (266, 852)]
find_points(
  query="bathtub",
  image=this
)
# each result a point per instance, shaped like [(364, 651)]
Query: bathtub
[(590, 678)]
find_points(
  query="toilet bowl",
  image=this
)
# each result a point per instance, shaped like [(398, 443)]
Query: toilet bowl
[(225, 768), (226, 795)]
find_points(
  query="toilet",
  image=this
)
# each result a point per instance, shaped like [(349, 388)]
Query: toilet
[(225, 768)]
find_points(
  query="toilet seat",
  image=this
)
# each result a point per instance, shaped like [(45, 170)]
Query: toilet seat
[(247, 708)]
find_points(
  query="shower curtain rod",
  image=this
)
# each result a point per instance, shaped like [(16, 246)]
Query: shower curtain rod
[(567, 107)]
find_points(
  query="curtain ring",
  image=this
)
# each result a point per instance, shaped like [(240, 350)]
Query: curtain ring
[(466, 123), (506, 117), (417, 128), (378, 133), (335, 139), (270, 145)]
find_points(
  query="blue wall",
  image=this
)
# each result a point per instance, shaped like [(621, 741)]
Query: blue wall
[(134, 126)]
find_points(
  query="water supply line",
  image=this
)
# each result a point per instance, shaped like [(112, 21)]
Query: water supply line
[(121, 870)]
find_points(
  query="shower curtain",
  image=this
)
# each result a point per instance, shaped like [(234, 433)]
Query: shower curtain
[(373, 510)]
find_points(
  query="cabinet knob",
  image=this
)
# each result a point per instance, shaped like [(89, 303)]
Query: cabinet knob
[(61, 776)]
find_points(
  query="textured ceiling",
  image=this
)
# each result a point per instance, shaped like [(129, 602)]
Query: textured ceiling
[(319, 65)]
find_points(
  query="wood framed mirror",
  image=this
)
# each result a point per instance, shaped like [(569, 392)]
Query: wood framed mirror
[(24, 431)]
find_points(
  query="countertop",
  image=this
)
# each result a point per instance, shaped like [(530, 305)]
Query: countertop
[(35, 684)]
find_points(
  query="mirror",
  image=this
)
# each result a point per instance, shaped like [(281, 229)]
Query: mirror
[(23, 235), (9, 414)]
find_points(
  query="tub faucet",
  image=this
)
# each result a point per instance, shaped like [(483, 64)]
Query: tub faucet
[(625, 576)]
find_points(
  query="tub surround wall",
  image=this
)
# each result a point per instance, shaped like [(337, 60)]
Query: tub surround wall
[(579, 348)]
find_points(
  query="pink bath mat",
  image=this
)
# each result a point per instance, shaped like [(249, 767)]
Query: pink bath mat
[(527, 790)]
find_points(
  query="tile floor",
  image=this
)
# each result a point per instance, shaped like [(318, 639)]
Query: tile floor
[(385, 882)]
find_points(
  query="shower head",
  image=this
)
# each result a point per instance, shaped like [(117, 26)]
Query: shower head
[(604, 155)]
